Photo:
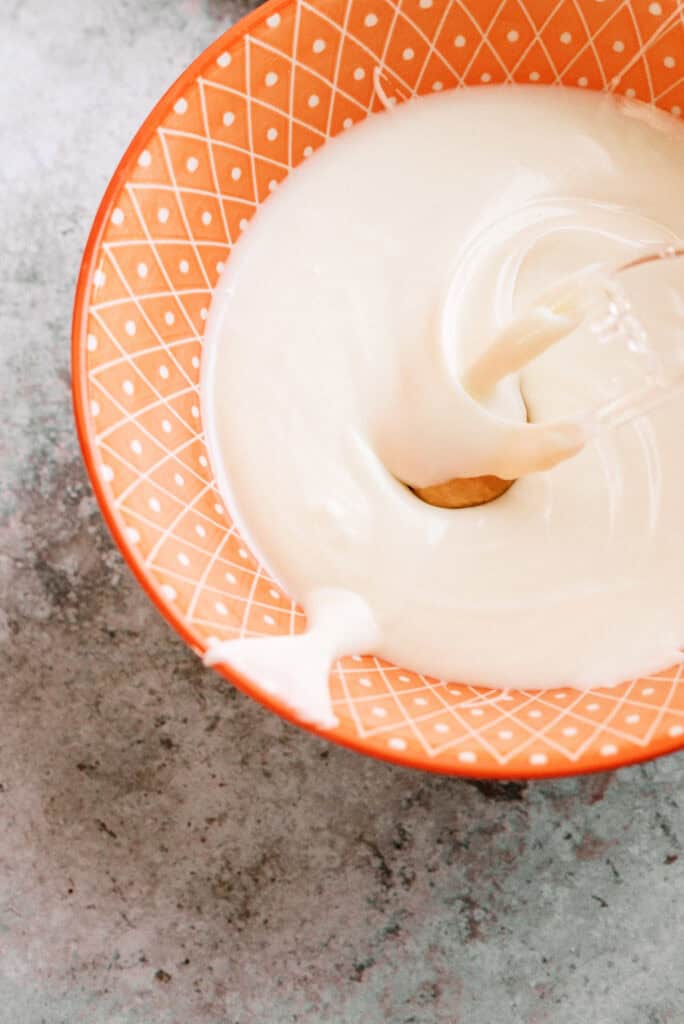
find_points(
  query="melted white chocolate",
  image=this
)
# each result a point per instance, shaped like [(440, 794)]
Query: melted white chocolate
[(339, 349)]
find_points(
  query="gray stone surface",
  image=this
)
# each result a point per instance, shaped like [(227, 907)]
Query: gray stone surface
[(169, 851)]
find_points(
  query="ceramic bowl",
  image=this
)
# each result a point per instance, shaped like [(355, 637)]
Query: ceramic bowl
[(256, 103)]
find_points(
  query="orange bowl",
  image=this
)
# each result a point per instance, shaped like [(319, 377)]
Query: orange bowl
[(166, 226)]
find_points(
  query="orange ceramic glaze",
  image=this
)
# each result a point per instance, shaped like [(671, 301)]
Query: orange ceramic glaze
[(254, 105)]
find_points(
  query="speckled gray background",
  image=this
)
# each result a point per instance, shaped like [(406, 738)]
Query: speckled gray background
[(170, 853)]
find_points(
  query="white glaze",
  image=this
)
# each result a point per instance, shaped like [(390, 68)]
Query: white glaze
[(346, 317)]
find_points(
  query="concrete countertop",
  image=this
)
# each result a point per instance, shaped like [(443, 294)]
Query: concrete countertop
[(172, 853)]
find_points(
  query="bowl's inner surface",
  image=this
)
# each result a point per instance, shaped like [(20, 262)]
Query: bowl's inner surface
[(256, 104)]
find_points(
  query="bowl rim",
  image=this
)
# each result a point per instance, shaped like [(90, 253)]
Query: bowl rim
[(80, 400)]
